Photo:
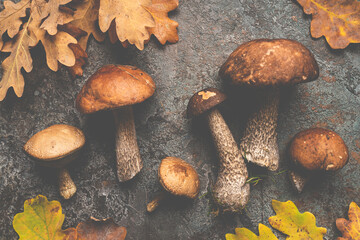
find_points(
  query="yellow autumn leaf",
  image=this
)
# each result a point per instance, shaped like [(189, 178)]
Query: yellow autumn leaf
[(265, 233), (10, 17), (41, 220), (296, 225), (350, 228)]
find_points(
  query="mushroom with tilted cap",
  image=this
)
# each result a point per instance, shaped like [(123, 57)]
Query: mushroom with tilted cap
[(178, 178), (57, 146), (314, 150), (231, 191), (116, 88), (267, 64)]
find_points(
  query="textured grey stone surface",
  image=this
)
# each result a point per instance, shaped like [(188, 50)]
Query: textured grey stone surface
[(209, 31)]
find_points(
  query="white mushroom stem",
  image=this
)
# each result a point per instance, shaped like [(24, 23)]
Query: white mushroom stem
[(231, 191), (67, 186), (299, 180), (259, 143), (128, 160), (155, 202)]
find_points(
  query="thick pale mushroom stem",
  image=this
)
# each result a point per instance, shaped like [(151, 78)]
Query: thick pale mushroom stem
[(299, 180), (155, 202), (231, 190), (259, 143), (128, 160), (67, 186)]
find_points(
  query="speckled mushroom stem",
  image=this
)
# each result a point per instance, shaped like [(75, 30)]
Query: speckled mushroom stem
[(299, 180), (231, 191), (128, 160), (67, 186), (155, 202), (259, 143)]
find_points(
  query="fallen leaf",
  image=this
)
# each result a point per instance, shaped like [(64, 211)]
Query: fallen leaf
[(265, 233), (86, 17), (10, 17), (350, 229), (104, 229), (337, 20), (165, 28), (296, 225), (41, 219)]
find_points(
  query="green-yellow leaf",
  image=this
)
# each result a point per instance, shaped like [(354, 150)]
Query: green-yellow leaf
[(41, 220), (296, 225), (265, 233)]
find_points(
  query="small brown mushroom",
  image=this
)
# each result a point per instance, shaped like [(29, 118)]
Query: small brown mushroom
[(231, 191), (178, 178), (116, 88), (316, 149), (267, 64), (56, 147)]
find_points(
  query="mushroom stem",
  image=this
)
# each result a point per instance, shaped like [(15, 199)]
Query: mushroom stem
[(299, 180), (259, 142), (67, 186), (155, 202), (128, 160), (231, 190)]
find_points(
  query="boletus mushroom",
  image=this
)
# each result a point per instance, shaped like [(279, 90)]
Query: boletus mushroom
[(178, 178), (117, 88), (267, 65), (314, 150), (231, 191), (56, 147)]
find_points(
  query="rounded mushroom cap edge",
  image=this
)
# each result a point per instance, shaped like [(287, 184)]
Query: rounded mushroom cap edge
[(179, 177), (204, 100), (114, 86), (270, 62), (55, 143), (319, 149)]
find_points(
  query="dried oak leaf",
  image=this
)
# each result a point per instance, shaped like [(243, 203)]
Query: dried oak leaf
[(10, 17), (86, 17), (337, 20), (41, 219), (104, 229), (244, 234), (165, 29), (296, 225), (350, 228)]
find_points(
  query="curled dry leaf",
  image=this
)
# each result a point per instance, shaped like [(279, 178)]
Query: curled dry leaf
[(10, 17), (265, 233), (350, 229), (337, 20)]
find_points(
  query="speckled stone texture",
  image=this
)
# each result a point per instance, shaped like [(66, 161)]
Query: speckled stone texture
[(209, 31)]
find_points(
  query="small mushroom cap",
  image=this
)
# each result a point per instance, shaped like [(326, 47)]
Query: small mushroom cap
[(270, 62), (319, 149), (114, 86), (178, 177), (204, 100), (55, 145)]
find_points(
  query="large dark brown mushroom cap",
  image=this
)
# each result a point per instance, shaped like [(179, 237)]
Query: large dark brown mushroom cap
[(319, 149), (114, 86), (178, 177), (204, 100), (266, 62)]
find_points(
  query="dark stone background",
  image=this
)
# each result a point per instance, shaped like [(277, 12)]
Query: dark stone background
[(209, 31)]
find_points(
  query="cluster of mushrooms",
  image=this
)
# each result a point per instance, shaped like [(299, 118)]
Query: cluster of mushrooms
[(267, 65)]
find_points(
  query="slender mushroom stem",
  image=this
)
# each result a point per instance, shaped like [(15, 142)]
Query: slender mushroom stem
[(231, 190), (259, 142), (299, 180), (67, 186), (155, 202), (128, 160)]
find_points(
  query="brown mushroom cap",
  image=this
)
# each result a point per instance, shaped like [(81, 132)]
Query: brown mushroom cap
[(267, 62), (178, 177), (114, 86), (204, 100), (55, 145), (319, 149)]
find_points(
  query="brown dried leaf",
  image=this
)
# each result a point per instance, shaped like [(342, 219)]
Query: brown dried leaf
[(10, 17), (165, 28), (80, 56), (337, 20), (86, 17), (350, 228)]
